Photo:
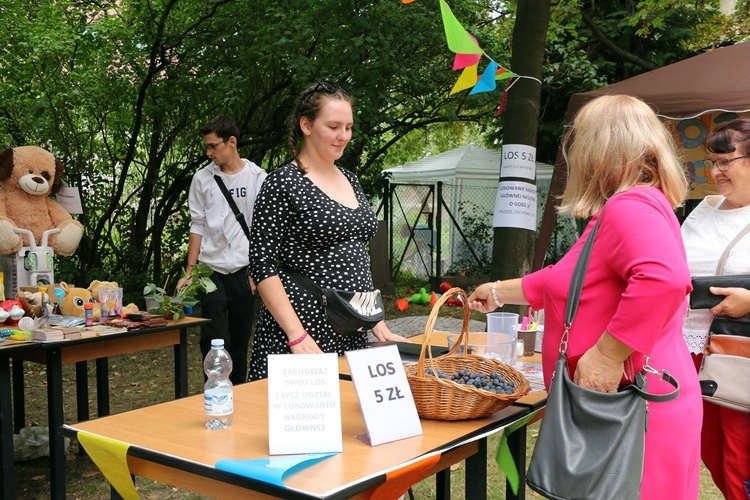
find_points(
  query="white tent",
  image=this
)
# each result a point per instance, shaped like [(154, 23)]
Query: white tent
[(470, 164)]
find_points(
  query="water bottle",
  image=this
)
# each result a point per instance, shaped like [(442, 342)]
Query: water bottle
[(218, 394)]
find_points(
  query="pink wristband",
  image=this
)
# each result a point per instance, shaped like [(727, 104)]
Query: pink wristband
[(298, 339)]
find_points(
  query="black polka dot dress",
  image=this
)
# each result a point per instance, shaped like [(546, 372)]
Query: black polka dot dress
[(295, 224)]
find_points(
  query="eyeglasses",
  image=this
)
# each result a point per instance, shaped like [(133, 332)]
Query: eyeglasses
[(722, 164), (323, 85), (212, 147)]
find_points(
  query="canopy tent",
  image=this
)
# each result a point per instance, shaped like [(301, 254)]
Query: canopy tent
[(468, 164), (694, 95)]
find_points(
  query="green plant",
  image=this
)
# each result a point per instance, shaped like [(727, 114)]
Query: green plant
[(198, 281)]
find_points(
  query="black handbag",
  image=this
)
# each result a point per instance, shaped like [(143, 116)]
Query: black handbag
[(591, 444), (701, 297), (348, 313)]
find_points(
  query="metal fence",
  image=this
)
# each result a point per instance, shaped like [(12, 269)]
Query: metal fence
[(445, 229)]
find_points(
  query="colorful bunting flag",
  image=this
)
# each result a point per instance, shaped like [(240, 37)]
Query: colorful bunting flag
[(467, 79), (487, 82), (459, 40)]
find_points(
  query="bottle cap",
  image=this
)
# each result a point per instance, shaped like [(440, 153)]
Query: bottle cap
[(217, 342), (88, 305)]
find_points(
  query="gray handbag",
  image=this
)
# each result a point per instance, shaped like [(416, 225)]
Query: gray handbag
[(591, 444)]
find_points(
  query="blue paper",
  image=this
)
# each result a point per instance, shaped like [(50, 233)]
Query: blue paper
[(272, 469), (487, 82)]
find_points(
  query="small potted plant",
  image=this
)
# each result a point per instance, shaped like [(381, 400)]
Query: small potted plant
[(172, 306)]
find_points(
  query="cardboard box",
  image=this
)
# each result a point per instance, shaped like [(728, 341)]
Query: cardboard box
[(50, 290)]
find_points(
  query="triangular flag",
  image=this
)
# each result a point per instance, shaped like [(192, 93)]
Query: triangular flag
[(464, 60), (459, 40), (111, 456), (487, 82), (467, 79), (503, 74)]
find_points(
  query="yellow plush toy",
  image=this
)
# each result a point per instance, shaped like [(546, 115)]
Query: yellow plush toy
[(72, 303), (96, 285), (28, 176)]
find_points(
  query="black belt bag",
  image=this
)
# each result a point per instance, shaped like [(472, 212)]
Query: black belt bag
[(348, 313)]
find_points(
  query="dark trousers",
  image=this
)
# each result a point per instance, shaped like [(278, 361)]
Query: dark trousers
[(230, 309)]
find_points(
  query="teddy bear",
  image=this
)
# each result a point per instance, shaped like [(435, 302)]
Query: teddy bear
[(28, 176), (72, 303), (96, 285), (32, 303)]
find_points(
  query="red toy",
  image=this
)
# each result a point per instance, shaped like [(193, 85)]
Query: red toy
[(402, 304), (445, 286)]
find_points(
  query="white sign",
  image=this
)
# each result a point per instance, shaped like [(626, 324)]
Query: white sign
[(70, 199), (384, 394), (519, 160), (515, 205), (304, 404)]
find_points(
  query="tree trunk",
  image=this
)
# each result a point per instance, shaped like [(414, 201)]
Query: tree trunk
[(513, 248)]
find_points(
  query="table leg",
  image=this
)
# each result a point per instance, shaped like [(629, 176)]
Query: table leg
[(6, 430), (56, 420), (180, 366), (443, 484), (476, 473), (82, 390), (19, 404), (102, 387), (517, 445)]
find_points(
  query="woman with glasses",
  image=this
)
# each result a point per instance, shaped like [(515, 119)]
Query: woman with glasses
[(707, 232), (312, 216)]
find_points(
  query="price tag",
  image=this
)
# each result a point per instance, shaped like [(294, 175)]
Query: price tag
[(70, 199), (384, 394), (304, 404)]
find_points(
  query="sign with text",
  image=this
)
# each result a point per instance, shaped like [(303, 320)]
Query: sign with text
[(515, 205), (70, 199), (519, 160), (384, 394), (304, 404)]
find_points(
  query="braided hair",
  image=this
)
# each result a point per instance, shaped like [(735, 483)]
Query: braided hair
[(308, 105)]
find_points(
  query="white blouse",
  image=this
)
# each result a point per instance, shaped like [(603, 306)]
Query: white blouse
[(706, 232)]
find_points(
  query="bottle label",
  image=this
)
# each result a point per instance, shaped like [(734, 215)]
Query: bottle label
[(218, 404)]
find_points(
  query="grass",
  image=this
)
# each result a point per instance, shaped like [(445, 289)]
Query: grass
[(146, 378)]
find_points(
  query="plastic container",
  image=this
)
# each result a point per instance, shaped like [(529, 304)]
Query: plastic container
[(489, 345), (88, 312), (218, 392)]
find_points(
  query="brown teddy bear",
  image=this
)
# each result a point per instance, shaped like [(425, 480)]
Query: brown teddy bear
[(28, 176)]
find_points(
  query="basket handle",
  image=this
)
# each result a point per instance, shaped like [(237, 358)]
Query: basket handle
[(429, 328)]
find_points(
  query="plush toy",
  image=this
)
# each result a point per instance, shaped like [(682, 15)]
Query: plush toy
[(32, 303), (72, 303), (96, 285), (28, 176)]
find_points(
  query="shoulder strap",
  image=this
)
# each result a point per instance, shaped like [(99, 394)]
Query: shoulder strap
[(237, 214), (303, 280), (725, 255)]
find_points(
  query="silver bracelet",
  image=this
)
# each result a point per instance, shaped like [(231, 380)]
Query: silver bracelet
[(494, 295)]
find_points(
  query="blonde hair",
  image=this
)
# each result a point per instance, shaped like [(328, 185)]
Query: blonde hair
[(617, 142)]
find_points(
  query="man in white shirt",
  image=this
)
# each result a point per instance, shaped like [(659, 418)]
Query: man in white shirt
[(217, 238)]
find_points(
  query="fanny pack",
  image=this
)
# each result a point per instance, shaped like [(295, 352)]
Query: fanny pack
[(349, 313)]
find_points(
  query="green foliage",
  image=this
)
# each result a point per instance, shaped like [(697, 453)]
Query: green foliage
[(198, 282), (477, 227)]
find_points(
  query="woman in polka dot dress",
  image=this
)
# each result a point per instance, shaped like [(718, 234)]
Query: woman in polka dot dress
[(312, 216)]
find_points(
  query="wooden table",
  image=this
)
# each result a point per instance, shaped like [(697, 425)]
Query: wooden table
[(170, 444), (535, 401), (56, 354)]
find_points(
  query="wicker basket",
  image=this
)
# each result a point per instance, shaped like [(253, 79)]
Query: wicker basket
[(441, 399)]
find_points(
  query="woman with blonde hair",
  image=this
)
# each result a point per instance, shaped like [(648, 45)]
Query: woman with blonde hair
[(633, 298)]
